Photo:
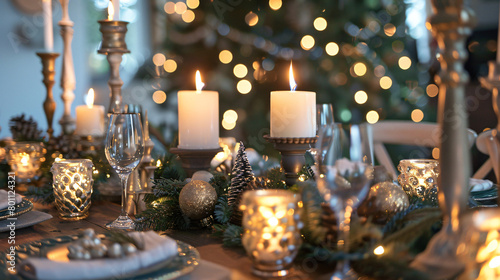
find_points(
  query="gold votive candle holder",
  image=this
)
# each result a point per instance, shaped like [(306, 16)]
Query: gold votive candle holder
[(480, 245), (25, 159), (72, 185), (271, 221), (419, 178)]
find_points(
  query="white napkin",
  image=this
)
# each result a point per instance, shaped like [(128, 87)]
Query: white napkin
[(480, 185), (157, 248), (4, 199)]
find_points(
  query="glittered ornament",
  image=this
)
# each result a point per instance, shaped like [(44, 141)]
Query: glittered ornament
[(197, 199), (202, 175), (383, 201)]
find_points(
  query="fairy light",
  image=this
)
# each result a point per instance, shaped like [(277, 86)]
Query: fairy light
[(307, 42), (379, 71), (404, 62), (230, 116), (180, 8), (360, 97), (379, 251), (225, 56), (432, 90), (332, 49), (435, 153), (228, 125), (320, 24), (417, 115), (159, 59), (244, 86), (251, 19), (275, 4), (159, 97), (389, 29), (169, 7), (188, 16), (372, 117), (385, 82), (170, 65), (193, 4), (240, 70), (360, 69)]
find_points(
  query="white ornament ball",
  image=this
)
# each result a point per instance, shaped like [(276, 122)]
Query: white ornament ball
[(202, 175)]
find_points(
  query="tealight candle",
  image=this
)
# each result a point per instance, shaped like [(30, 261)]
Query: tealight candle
[(25, 159), (198, 117), (271, 219), (90, 118), (293, 113)]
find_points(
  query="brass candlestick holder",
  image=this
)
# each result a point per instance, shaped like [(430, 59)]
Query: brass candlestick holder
[(48, 71), (113, 46), (292, 152), (195, 160)]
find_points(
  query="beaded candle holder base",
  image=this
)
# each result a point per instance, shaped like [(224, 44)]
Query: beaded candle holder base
[(195, 160), (292, 152)]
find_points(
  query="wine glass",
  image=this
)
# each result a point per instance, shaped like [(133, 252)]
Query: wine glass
[(124, 149), (343, 183), (324, 115)]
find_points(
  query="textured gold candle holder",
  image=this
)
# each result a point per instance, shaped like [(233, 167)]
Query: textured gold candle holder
[(418, 178), (292, 152), (72, 184), (113, 46), (271, 222), (195, 160), (48, 71)]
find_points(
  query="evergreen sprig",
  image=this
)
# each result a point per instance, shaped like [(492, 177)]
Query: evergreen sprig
[(223, 211), (232, 236)]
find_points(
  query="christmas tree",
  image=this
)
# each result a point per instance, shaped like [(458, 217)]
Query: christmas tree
[(241, 177), (353, 54)]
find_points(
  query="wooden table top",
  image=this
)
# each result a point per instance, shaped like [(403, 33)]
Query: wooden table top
[(209, 247)]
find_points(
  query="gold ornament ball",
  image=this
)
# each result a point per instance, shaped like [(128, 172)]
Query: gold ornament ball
[(197, 199), (383, 201)]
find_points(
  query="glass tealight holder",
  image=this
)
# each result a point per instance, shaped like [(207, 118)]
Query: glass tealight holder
[(72, 184), (419, 178), (479, 248), (271, 221), (25, 159)]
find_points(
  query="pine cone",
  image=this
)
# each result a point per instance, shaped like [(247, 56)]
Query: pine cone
[(24, 129), (64, 145)]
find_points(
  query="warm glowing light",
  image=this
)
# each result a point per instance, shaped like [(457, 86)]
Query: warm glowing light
[(307, 42), (417, 115), (389, 29), (379, 250), (180, 8), (193, 4), (230, 116), (275, 4), (111, 11), (495, 262), (228, 125), (361, 97), (320, 24), (225, 56), (332, 49), (158, 163), (89, 99), (293, 84), (169, 7), (159, 59), (251, 19), (273, 222), (360, 69), (188, 16), (170, 65), (244, 86), (199, 83), (159, 96), (385, 82), (372, 117), (404, 62), (25, 159), (435, 153), (432, 90), (240, 70), (379, 71)]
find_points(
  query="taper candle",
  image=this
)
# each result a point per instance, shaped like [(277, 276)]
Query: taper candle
[(48, 35)]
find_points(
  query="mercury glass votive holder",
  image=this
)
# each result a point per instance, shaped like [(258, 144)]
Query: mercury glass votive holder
[(479, 248), (72, 184), (25, 159), (419, 178), (271, 221)]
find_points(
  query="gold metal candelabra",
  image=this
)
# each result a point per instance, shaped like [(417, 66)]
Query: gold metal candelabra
[(48, 71)]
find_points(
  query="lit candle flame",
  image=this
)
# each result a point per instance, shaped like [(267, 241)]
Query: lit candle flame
[(199, 83), (293, 84), (111, 10), (90, 98), (25, 158)]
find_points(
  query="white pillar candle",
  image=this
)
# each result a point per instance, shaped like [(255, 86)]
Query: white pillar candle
[(198, 118), (293, 113), (116, 8), (48, 36), (498, 39), (90, 118)]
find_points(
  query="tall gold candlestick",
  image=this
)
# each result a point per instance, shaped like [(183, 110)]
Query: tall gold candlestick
[(48, 71)]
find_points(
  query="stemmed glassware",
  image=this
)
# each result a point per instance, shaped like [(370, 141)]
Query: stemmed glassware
[(124, 149), (324, 115), (343, 183)]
